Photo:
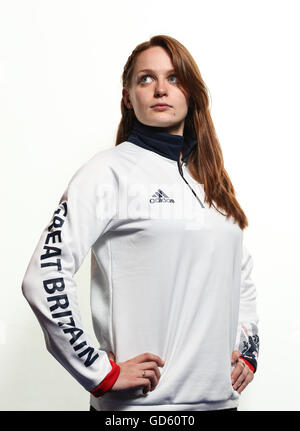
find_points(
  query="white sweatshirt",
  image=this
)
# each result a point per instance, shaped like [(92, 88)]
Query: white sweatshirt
[(168, 276)]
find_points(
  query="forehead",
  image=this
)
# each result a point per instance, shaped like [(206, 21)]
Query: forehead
[(155, 58)]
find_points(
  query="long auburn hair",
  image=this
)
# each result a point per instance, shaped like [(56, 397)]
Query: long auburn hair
[(206, 162)]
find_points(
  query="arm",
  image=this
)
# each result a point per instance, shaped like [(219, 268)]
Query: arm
[(247, 341), (82, 215)]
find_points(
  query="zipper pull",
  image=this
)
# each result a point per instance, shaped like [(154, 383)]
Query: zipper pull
[(181, 173)]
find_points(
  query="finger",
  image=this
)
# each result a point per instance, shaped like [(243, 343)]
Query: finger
[(147, 386), (149, 382), (143, 383), (146, 357), (247, 380), (235, 355), (153, 366), (150, 374), (237, 371), (241, 378)]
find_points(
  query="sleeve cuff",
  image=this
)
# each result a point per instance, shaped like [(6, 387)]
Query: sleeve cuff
[(248, 363), (108, 381)]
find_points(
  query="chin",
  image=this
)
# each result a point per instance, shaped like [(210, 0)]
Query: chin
[(162, 121)]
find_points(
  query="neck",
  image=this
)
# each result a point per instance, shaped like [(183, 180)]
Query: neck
[(162, 142)]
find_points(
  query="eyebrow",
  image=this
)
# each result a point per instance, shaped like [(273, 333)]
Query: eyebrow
[(153, 71)]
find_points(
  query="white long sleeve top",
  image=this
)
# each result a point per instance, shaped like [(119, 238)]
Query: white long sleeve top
[(169, 275)]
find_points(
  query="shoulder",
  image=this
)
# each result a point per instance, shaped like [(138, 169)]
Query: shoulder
[(111, 162), (100, 166)]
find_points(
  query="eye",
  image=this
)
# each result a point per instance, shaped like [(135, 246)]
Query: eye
[(174, 77), (142, 78)]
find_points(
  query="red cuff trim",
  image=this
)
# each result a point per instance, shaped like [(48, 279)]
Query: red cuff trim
[(247, 363), (108, 381)]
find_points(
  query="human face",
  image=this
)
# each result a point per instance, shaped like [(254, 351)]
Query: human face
[(153, 82)]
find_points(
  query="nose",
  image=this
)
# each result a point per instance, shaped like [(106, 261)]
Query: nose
[(160, 88)]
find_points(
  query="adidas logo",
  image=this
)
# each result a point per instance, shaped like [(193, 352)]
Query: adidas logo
[(160, 196)]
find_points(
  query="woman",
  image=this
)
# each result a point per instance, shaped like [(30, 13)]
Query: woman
[(173, 303)]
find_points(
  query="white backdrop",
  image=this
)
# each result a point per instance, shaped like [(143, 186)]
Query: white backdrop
[(60, 89)]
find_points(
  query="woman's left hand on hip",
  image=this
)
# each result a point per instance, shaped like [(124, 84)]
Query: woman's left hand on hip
[(241, 375)]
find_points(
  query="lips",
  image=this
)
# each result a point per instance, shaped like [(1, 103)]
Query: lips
[(160, 104)]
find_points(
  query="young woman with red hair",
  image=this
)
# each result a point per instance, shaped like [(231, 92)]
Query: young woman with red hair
[(173, 302)]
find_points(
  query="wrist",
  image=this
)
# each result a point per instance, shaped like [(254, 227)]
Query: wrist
[(248, 363), (108, 381)]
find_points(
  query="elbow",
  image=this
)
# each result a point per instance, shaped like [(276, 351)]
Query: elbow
[(24, 286), (27, 287)]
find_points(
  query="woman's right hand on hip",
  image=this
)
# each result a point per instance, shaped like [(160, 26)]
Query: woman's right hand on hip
[(142, 370)]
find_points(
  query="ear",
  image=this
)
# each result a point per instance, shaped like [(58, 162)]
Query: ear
[(126, 100)]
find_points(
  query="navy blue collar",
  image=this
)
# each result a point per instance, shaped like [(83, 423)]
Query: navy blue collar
[(163, 143)]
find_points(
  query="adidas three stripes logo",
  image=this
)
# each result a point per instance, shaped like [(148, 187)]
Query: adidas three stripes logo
[(160, 196)]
